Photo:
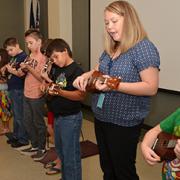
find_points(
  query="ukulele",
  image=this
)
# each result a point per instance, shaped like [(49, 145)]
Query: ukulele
[(4, 75), (111, 82), (47, 66), (54, 88), (164, 146), (29, 61)]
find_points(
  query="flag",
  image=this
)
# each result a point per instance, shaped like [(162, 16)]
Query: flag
[(32, 21)]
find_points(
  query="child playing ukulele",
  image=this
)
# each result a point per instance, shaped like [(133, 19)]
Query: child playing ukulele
[(171, 125)]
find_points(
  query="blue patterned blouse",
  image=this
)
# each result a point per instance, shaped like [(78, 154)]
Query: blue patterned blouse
[(119, 108)]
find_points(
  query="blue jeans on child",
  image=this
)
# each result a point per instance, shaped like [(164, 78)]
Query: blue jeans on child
[(67, 133), (19, 131)]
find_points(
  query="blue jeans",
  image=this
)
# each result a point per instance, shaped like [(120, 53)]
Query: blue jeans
[(67, 133), (19, 131)]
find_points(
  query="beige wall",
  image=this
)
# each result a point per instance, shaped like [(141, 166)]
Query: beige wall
[(53, 18), (60, 19), (97, 29)]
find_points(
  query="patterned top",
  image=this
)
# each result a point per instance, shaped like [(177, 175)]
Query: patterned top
[(119, 108), (171, 170), (5, 103)]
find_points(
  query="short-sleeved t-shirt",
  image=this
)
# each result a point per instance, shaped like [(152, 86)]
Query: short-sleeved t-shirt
[(65, 76), (32, 84), (15, 82), (171, 170), (172, 123), (120, 108)]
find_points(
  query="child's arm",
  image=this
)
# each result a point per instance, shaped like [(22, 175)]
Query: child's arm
[(146, 146), (75, 95), (14, 71), (177, 149), (45, 76), (2, 81), (81, 81), (3, 69), (36, 74)]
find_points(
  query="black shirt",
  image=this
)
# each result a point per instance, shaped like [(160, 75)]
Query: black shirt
[(15, 82), (65, 76)]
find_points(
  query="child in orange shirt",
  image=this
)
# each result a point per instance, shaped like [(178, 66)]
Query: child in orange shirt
[(33, 97)]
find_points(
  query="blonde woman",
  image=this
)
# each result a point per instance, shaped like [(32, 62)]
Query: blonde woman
[(119, 113)]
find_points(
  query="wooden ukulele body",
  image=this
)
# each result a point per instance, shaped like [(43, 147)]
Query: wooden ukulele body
[(164, 146), (54, 89), (111, 82)]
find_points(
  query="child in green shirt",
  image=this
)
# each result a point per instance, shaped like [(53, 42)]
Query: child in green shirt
[(171, 125)]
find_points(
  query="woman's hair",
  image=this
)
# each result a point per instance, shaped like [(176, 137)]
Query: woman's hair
[(11, 41), (4, 57), (34, 33), (132, 32), (58, 45)]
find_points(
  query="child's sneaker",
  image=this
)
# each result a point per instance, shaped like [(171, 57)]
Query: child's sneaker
[(29, 151), (19, 146), (39, 155)]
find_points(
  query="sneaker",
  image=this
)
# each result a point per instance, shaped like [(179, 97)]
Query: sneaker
[(29, 151), (39, 155), (23, 147), (19, 146), (11, 141), (11, 138)]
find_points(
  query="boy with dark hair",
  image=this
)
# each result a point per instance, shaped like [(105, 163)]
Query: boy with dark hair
[(66, 106), (19, 138)]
